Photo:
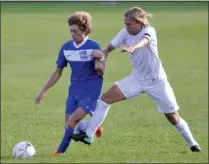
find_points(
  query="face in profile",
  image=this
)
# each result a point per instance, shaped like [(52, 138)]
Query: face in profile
[(133, 27), (77, 34)]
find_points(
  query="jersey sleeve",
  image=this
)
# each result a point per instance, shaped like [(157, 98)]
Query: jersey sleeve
[(119, 39), (97, 46), (149, 33), (61, 60)]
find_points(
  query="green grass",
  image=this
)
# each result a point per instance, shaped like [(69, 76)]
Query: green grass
[(31, 35)]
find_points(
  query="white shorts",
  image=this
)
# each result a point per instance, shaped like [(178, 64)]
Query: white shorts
[(161, 92)]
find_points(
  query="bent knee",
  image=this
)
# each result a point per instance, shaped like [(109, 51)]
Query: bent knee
[(173, 118), (107, 98), (71, 124), (113, 95)]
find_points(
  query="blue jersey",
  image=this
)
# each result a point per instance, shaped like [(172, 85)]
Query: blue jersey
[(84, 78)]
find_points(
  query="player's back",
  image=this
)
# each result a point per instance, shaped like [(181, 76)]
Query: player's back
[(84, 78)]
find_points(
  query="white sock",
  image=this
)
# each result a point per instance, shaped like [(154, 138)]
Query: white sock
[(184, 130), (82, 125), (98, 117)]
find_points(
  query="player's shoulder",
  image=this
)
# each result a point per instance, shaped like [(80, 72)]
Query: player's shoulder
[(92, 43), (124, 31), (67, 44), (149, 29)]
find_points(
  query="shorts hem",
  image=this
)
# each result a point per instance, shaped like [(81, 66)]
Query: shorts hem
[(171, 111), (123, 92)]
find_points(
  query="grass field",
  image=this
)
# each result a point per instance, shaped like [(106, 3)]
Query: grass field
[(31, 35)]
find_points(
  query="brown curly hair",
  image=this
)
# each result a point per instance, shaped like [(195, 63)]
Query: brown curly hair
[(82, 20)]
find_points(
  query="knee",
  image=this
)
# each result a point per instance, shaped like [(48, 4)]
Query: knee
[(68, 125), (71, 123), (173, 118), (106, 98)]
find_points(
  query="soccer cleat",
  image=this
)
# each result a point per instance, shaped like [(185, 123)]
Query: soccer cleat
[(196, 148), (82, 137), (88, 140), (78, 136), (55, 153), (99, 131)]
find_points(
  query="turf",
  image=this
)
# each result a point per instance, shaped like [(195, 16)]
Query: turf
[(31, 35)]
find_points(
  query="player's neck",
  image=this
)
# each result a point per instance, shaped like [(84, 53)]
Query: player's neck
[(80, 43), (137, 31)]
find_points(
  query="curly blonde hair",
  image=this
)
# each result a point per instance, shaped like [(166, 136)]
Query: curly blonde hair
[(138, 14), (82, 19)]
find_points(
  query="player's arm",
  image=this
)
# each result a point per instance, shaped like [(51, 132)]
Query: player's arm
[(98, 54), (52, 80), (147, 37), (108, 49), (144, 42), (115, 43), (61, 63), (102, 55), (100, 64), (100, 60)]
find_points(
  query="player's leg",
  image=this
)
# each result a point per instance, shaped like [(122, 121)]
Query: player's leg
[(71, 123), (75, 118), (111, 96), (164, 96), (183, 128), (70, 108), (122, 90), (103, 105), (87, 103), (82, 126), (100, 129), (66, 118)]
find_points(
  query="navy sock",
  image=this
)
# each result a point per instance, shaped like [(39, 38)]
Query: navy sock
[(66, 140)]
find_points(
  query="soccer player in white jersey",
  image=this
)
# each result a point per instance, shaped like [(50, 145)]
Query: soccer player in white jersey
[(139, 39), (81, 53)]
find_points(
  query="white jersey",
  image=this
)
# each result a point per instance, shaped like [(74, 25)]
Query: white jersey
[(147, 66)]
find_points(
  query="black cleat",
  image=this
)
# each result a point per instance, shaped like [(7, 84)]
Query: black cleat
[(76, 136), (82, 137), (196, 148)]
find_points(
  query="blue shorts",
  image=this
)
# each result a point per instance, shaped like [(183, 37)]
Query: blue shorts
[(87, 103)]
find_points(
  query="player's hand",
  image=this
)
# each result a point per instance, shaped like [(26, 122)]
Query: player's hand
[(100, 67), (129, 49), (40, 97)]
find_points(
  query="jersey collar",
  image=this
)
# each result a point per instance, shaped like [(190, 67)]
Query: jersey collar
[(82, 43)]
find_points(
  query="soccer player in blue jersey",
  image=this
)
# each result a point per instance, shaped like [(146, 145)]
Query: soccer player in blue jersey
[(83, 56)]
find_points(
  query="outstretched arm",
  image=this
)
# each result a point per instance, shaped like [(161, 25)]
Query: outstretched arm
[(98, 54), (142, 43), (131, 49), (149, 35), (101, 55), (52, 80), (115, 43), (108, 49)]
